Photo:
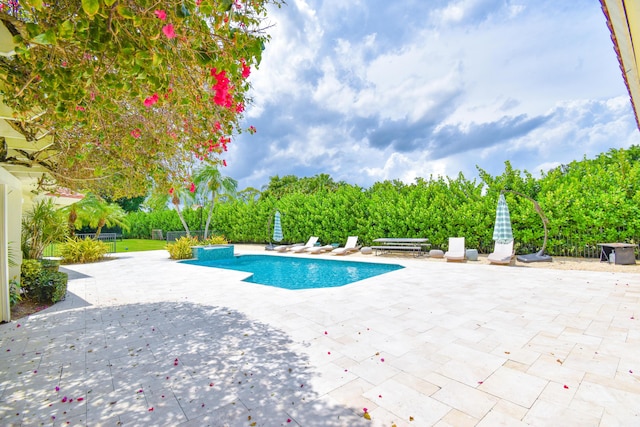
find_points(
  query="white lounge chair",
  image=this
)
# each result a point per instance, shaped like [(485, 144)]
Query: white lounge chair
[(502, 253), (310, 244), (349, 247), (285, 248), (456, 250)]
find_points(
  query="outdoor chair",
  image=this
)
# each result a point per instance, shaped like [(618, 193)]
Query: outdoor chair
[(350, 247), (503, 253), (456, 250), (310, 244)]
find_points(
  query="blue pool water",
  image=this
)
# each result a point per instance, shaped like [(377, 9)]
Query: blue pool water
[(299, 273)]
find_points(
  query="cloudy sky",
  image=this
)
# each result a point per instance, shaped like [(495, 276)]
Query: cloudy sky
[(369, 90)]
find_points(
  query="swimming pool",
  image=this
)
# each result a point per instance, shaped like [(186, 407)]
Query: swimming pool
[(299, 273)]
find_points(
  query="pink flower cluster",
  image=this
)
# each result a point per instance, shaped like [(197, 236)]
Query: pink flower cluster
[(222, 89)]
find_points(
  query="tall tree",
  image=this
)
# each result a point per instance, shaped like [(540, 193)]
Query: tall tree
[(213, 183)]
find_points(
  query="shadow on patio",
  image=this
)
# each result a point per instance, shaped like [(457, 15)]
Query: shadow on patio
[(157, 364)]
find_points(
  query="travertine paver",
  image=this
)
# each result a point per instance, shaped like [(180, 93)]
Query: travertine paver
[(143, 340)]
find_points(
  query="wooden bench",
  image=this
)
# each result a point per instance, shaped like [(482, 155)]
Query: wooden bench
[(388, 248)]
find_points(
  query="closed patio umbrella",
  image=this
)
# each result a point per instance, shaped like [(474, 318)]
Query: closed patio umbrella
[(502, 232), (277, 228)]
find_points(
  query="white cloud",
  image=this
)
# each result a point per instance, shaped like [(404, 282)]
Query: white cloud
[(374, 90)]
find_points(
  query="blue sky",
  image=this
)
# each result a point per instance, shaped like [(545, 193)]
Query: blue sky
[(369, 90)]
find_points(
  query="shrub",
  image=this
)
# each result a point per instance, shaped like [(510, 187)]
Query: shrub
[(51, 286), (215, 240), (83, 250), (181, 248), (15, 292), (29, 271), (41, 284)]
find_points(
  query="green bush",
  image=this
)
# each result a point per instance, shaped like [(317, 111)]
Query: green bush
[(51, 286), (15, 292), (83, 250), (215, 240), (29, 271), (42, 284), (181, 249)]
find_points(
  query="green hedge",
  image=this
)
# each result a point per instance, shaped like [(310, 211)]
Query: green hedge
[(590, 201)]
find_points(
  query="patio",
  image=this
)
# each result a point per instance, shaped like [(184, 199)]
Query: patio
[(143, 340)]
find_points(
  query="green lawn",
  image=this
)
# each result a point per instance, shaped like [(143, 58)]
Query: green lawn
[(133, 245)]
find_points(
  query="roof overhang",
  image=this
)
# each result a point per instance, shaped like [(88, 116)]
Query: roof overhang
[(623, 20)]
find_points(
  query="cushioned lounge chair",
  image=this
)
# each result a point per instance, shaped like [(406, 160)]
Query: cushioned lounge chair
[(310, 244), (456, 250), (350, 247), (285, 248), (502, 253), (320, 249)]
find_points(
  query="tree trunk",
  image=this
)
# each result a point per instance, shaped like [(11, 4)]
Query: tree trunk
[(209, 216), (73, 216), (184, 223), (99, 228)]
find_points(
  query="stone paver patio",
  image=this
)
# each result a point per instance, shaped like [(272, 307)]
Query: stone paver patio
[(144, 341)]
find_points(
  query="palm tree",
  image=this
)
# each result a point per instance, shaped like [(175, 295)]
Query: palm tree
[(210, 181), (42, 225), (80, 213), (178, 195), (108, 214)]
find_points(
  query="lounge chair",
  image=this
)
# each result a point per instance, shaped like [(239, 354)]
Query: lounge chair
[(349, 247), (502, 253), (285, 248), (310, 244), (456, 250)]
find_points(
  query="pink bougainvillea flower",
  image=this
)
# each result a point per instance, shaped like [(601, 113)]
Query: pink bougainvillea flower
[(64, 399), (170, 192), (151, 409), (382, 359), (192, 188), (246, 70), (211, 384), (175, 362), (148, 102), (79, 108), (239, 107), (288, 420), (160, 14), (136, 133), (630, 371), (57, 388), (217, 126), (365, 410), (328, 352), (169, 31), (566, 386), (252, 129), (224, 162), (326, 333), (80, 399)]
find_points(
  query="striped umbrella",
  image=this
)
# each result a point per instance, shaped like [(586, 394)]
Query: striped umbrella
[(502, 232), (277, 228)]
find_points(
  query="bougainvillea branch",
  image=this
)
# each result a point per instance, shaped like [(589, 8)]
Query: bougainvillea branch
[(129, 87)]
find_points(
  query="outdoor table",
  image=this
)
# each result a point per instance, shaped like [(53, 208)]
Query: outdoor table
[(624, 252), (388, 244)]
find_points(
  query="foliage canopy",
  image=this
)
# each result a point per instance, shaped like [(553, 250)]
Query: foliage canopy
[(130, 91)]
